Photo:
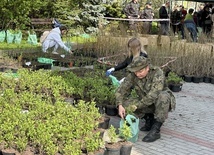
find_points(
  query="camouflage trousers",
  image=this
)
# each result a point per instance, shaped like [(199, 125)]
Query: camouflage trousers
[(133, 24), (147, 27), (163, 104)]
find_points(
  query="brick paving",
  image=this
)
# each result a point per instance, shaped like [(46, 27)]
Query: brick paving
[(189, 130)]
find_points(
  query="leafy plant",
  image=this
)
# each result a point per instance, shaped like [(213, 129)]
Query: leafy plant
[(93, 142), (134, 94), (125, 131), (112, 134), (114, 9), (173, 78), (130, 109), (33, 112), (90, 15)]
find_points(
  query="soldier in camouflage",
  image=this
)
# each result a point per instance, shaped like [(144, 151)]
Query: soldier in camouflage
[(147, 13), (153, 96), (132, 11)]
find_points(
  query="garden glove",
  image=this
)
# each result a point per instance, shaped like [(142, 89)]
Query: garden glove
[(70, 51), (109, 71), (122, 80)]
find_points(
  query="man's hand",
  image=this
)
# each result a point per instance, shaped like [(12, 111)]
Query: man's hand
[(121, 111)]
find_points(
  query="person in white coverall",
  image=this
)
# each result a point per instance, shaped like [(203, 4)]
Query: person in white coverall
[(54, 40)]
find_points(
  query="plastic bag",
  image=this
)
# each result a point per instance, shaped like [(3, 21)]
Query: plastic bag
[(46, 60), (2, 36), (114, 81), (134, 125), (32, 38), (10, 37), (18, 37)]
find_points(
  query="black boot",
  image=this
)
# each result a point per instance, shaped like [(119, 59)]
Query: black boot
[(154, 133), (149, 118)]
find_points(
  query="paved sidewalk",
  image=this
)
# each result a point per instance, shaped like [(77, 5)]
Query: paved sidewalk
[(189, 130)]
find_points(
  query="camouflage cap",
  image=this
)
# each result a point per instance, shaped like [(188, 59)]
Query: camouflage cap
[(138, 64)]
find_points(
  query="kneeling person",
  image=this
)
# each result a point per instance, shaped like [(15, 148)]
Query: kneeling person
[(54, 40), (154, 97)]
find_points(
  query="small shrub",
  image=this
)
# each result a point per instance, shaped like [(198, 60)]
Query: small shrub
[(173, 78), (125, 131)]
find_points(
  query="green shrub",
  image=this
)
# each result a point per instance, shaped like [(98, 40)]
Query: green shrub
[(33, 113), (173, 78)]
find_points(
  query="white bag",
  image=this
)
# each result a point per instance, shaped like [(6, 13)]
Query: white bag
[(44, 36)]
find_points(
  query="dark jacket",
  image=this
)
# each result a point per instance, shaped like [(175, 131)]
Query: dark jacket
[(183, 15), (163, 14), (175, 17), (204, 16), (127, 61)]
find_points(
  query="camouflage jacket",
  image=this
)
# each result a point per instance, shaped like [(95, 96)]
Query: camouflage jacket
[(147, 88), (132, 9), (147, 13)]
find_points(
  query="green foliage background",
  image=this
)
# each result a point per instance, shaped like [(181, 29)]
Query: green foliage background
[(76, 14)]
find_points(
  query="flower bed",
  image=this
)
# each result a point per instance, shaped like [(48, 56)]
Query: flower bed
[(34, 115)]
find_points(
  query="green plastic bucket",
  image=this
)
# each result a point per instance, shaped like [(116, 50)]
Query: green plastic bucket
[(45, 60)]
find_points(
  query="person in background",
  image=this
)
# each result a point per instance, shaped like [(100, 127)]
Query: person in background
[(195, 18), (147, 13), (183, 12), (206, 20), (135, 49), (200, 11), (190, 24), (175, 19), (154, 97), (164, 12), (132, 10), (212, 13), (183, 15), (212, 17), (54, 40)]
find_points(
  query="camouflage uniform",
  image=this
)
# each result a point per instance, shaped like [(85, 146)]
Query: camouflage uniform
[(132, 9), (153, 95), (147, 13)]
